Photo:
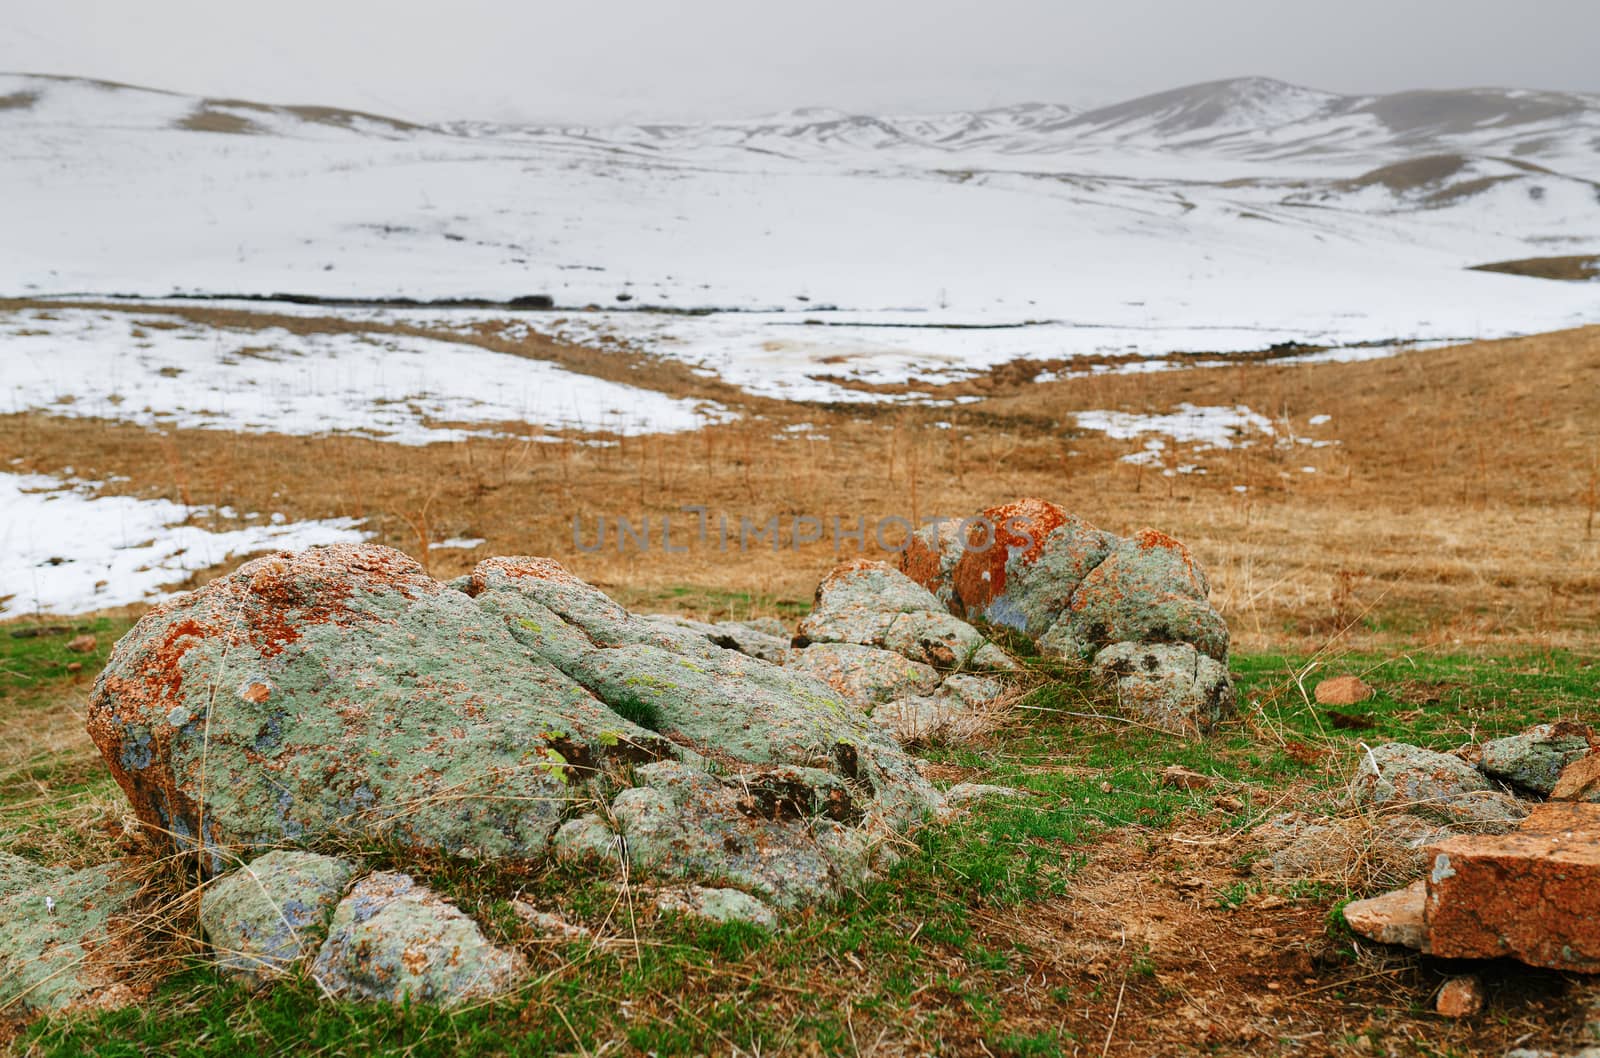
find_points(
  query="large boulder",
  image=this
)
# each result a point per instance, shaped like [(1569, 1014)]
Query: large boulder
[(1171, 685), (341, 689), (1016, 565), (72, 939), (263, 918), (393, 940), (308, 699)]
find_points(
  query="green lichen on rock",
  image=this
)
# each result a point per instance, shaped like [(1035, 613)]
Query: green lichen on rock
[(872, 604), (310, 700), (1170, 685), (716, 703), (716, 905), (262, 918), (393, 940), (790, 836), (341, 690), (70, 940), (1148, 589), (1535, 759), (865, 676), (1431, 784)]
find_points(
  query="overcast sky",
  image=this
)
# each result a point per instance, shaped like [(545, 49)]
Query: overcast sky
[(614, 60)]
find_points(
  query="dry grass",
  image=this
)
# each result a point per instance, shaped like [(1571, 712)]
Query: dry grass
[(1457, 505)]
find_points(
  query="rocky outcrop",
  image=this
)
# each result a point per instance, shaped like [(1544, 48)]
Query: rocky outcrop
[(1078, 591), (396, 941), (308, 699)]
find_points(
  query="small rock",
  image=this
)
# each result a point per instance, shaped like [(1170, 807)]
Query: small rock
[(1393, 918), (74, 667), (1176, 775), (1433, 784), (1461, 997), (71, 940), (1171, 685), (263, 918), (393, 940), (1535, 759), (84, 644), (1579, 781), (717, 905), (1342, 690), (550, 923)]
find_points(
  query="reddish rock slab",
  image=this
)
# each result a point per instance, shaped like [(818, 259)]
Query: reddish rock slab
[(1532, 895), (1393, 918)]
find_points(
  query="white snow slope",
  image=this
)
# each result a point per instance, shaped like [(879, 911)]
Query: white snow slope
[(1214, 217)]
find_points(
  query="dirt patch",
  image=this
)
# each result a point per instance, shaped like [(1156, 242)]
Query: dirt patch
[(1162, 949), (1577, 267)]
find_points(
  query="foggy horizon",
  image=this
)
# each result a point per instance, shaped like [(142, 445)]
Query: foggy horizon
[(630, 62)]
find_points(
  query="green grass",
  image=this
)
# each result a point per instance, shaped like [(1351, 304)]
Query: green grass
[(904, 954)]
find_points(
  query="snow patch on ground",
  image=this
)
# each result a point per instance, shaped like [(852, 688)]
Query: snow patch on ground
[(161, 370), (1204, 427), (64, 549)]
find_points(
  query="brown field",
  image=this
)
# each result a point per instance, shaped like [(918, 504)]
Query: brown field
[(1457, 503)]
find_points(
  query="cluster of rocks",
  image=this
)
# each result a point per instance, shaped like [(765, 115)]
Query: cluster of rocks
[(1516, 869), (1136, 609), (314, 712)]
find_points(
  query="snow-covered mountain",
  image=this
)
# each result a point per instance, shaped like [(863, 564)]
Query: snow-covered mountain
[(1215, 215)]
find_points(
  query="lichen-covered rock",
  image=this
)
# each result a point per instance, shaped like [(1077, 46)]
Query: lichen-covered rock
[(18, 874), (1432, 784), (392, 940), (341, 690), (71, 941), (959, 711), (743, 636), (716, 905), (872, 604), (1149, 589), (865, 676), (791, 836), (262, 918), (1072, 588), (1016, 565), (713, 703), (1171, 685), (1535, 759)]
